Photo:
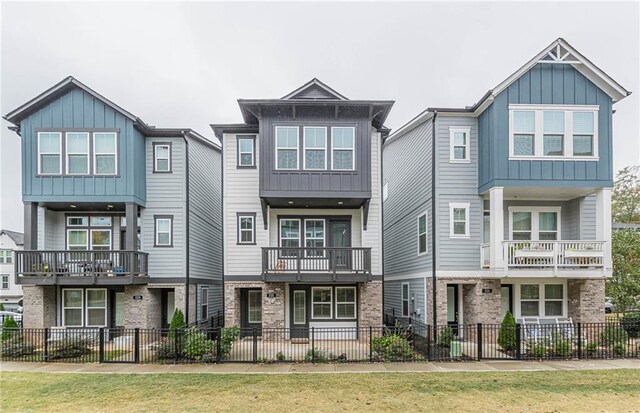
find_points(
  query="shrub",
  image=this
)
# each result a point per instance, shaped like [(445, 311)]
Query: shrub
[(391, 348), (165, 350), (446, 336), (613, 334), (507, 334), (314, 354), (1, 307), (16, 347), (538, 350), (196, 345), (591, 348), (9, 328), (70, 347), (561, 347), (227, 337), (280, 356), (177, 321), (631, 323), (619, 349)]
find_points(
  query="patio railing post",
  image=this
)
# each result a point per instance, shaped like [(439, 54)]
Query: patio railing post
[(370, 344), (46, 344), (219, 345), (255, 345), (479, 341), (101, 346), (518, 342), (136, 346), (313, 345), (579, 333)]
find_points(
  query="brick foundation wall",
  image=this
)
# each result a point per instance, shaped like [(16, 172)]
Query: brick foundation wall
[(39, 305), (586, 300), (141, 313), (479, 306), (232, 300), (370, 304), (441, 301), (181, 300)]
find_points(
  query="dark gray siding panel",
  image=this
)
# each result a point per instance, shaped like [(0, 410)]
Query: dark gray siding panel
[(407, 173)]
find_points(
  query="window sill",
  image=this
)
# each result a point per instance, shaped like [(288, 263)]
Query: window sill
[(246, 243), (459, 160), (246, 167), (554, 158), (459, 236)]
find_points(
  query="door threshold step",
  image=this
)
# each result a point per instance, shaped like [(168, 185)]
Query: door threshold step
[(299, 341)]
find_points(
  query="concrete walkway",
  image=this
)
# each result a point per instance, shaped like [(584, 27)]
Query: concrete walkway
[(231, 368)]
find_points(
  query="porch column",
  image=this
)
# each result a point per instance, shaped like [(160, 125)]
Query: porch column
[(30, 226), (603, 224), (496, 233), (131, 214)]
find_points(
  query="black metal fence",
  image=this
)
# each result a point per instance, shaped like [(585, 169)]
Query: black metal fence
[(403, 341)]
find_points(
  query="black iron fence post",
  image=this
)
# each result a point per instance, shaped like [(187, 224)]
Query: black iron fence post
[(176, 349), (313, 345), (579, 333), (479, 341), (255, 345), (46, 344), (219, 345), (428, 328), (518, 342), (136, 346), (370, 344), (101, 346)]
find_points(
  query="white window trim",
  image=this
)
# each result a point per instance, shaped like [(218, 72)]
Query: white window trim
[(466, 207), (300, 229), (156, 158), (402, 299), (86, 307), (249, 293), (4, 277), (86, 231), (6, 256), (158, 232), (115, 153), (251, 230), (313, 315), (81, 308), (252, 152), (452, 132), (100, 230), (517, 296), (568, 131), (59, 153), (426, 232), (324, 238), (304, 148), (304, 308), (535, 220), (297, 148), (353, 149), (204, 293), (77, 225), (109, 225), (385, 191), (87, 153), (354, 303)]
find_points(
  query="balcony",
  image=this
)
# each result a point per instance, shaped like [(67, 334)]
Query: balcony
[(352, 264), (548, 255), (81, 267)]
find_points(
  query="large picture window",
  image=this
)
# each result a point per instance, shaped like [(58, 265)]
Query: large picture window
[(77, 153), (50, 153), (89, 233), (542, 300), (315, 148), (321, 298), (286, 147), (343, 148), (535, 223), (105, 159)]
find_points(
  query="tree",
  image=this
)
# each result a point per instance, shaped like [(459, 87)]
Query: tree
[(624, 285), (625, 205)]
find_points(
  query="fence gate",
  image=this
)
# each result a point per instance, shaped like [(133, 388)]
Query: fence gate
[(119, 345)]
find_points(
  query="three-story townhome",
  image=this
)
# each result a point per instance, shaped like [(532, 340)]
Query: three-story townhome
[(505, 205), (10, 292), (302, 211), (122, 220)]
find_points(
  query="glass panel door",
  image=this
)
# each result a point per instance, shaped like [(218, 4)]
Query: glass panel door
[(341, 239), (299, 312)]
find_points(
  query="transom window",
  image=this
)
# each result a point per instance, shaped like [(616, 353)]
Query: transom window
[(535, 223), (104, 153), (77, 153), (345, 302), (6, 256), (459, 220), (342, 148), (246, 151), (246, 229), (422, 233), (162, 157), (459, 144), (315, 147), (286, 147), (50, 153), (553, 131), (321, 299), (164, 231)]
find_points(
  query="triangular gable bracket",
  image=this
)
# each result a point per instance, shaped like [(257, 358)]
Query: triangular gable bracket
[(559, 55)]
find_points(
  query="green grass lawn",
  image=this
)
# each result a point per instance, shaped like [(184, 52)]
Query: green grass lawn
[(604, 390)]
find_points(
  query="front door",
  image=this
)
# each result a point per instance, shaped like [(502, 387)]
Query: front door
[(452, 307), (506, 299), (167, 304), (299, 312), (340, 237), (251, 311)]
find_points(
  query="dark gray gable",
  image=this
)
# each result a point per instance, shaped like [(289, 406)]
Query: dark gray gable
[(314, 90)]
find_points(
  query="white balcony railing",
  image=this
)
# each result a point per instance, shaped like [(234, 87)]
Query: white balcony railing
[(547, 254)]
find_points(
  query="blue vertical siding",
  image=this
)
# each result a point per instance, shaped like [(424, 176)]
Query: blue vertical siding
[(543, 84), (78, 109)]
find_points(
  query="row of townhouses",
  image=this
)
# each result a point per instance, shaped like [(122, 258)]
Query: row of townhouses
[(310, 213)]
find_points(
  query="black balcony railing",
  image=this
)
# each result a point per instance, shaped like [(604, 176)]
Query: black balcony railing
[(335, 262), (32, 266)]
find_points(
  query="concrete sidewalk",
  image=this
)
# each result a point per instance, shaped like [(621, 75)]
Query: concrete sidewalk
[(232, 368)]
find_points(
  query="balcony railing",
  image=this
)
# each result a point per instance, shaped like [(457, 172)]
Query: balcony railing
[(282, 262), (50, 267), (547, 255)]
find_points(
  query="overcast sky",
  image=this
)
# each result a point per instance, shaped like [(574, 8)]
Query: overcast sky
[(185, 64)]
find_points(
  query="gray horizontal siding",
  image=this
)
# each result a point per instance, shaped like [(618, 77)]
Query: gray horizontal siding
[(393, 296), (588, 218)]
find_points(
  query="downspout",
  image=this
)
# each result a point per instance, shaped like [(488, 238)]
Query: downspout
[(382, 141), (434, 294), (186, 243), (222, 206)]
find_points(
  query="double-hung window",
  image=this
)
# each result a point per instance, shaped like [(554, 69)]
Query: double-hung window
[(583, 133), (553, 137), (105, 159), (289, 236), (164, 231), (345, 302), (96, 311), (5, 282), (321, 299), (459, 220), (422, 233), (314, 237), (529, 300), (405, 299), (553, 300), (286, 147), (343, 148), (535, 223), (246, 151), (246, 228), (162, 157), (50, 153), (77, 148), (204, 303), (459, 144), (524, 130), (315, 147), (6, 256), (72, 307)]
